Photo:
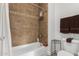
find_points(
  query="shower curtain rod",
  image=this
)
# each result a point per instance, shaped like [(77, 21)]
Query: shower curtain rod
[(39, 7)]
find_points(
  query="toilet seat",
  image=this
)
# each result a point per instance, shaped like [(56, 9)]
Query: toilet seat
[(64, 53)]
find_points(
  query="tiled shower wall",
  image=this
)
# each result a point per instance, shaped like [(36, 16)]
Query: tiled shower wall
[(44, 26), (24, 20), (24, 23)]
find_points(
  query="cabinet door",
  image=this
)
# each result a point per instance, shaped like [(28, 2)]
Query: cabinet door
[(74, 24), (64, 25)]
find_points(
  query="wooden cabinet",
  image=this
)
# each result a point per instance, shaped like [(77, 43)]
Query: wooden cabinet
[(64, 25), (70, 24), (74, 24)]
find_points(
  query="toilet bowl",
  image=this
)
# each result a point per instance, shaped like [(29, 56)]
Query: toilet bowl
[(64, 53)]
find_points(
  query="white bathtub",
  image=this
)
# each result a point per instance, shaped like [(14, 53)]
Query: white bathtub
[(33, 49)]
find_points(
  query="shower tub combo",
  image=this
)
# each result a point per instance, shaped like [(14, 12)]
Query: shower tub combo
[(33, 49)]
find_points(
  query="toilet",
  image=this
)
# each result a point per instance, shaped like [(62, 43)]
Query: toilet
[(69, 49)]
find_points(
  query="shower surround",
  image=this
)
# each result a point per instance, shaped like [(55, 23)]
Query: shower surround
[(25, 24)]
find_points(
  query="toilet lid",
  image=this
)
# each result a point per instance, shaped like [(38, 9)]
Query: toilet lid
[(64, 53)]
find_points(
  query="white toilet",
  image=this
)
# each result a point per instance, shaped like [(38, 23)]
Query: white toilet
[(69, 49)]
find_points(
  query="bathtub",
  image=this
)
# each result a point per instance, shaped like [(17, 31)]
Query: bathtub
[(33, 49)]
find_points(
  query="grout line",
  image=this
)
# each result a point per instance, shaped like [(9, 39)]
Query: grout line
[(23, 14)]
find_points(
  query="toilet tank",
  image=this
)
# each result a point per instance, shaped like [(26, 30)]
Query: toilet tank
[(72, 47)]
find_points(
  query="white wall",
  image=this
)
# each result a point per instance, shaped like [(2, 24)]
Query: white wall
[(51, 25), (64, 10), (55, 12)]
